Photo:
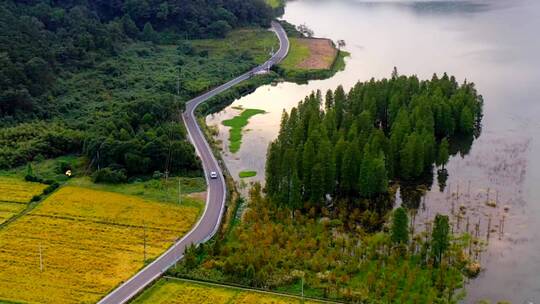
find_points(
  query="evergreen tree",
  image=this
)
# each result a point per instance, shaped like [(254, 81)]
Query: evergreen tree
[(443, 156), (440, 238), (130, 28), (149, 34), (317, 184), (466, 121), (308, 162), (377, 132), (400, 227)]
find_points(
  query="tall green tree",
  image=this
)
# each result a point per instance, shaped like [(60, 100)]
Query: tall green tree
[(443, 156), (149, 34), (379, 131), (440, 238), (400, 227)]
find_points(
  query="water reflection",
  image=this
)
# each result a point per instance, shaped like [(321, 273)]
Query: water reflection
[(433, 7)]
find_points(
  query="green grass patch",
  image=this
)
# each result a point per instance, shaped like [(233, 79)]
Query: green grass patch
[(293, 68), (252, 44), (50, 169), (244, 174), (298, 52), (275, 3), (155, 189), (237, 124), (302, 75)]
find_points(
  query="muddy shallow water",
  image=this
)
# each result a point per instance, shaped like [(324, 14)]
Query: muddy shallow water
[(493, 43)]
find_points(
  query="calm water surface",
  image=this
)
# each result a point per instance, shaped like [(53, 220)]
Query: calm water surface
[(495, 44)]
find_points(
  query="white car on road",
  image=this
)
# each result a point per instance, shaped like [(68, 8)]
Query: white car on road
[(213, 175)]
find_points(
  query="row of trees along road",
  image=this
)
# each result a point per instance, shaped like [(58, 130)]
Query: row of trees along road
[(357, 142)]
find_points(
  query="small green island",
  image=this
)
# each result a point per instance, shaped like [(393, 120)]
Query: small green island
[(237, 124), (246, 174)]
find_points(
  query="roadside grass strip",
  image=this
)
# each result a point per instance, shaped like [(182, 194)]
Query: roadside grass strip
[(178, 291), (237, 124), (79, 244), (298, 53)]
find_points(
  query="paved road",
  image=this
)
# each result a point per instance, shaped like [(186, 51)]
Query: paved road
[(209, 222)]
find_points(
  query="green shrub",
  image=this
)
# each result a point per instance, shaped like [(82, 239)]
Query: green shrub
[(63, 166), (32, 178), (109, 176), (51, 188)]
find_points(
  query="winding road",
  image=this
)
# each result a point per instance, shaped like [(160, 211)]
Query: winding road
[(210, 220)]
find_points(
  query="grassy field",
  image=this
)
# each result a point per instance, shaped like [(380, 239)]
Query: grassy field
[(48, 168), (244, 174), (310, 54), (237, 124), (254, 43), (90, 241), (15, 194), (157, 190), (173, 292)]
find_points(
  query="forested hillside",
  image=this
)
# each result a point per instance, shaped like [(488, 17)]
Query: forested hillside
[(38, 39), (392, 129), (80, 76)]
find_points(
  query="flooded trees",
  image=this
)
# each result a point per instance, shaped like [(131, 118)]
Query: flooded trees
[(440, 238), (400, 224), (358, 142)]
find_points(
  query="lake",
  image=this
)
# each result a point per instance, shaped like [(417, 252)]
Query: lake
[(494, 44)]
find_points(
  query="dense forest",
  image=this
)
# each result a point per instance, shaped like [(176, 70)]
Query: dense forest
[(45, 46), (358, 142)]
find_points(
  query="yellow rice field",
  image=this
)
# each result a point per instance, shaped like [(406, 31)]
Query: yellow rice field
[(18, 191), (8, 210), (90, 241), (181, 292), (15, 194)]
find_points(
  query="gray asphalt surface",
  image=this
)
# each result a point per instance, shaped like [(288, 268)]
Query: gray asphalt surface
[(210, 220)]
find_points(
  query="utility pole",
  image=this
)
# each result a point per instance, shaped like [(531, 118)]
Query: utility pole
[(302, 287), (178, 84), (144, 242), (40, 258), (179, 191)]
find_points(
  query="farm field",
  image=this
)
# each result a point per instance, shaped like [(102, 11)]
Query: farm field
[(14, 190), (177, 292), (15, 194), (310, 54), (90, 241)]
